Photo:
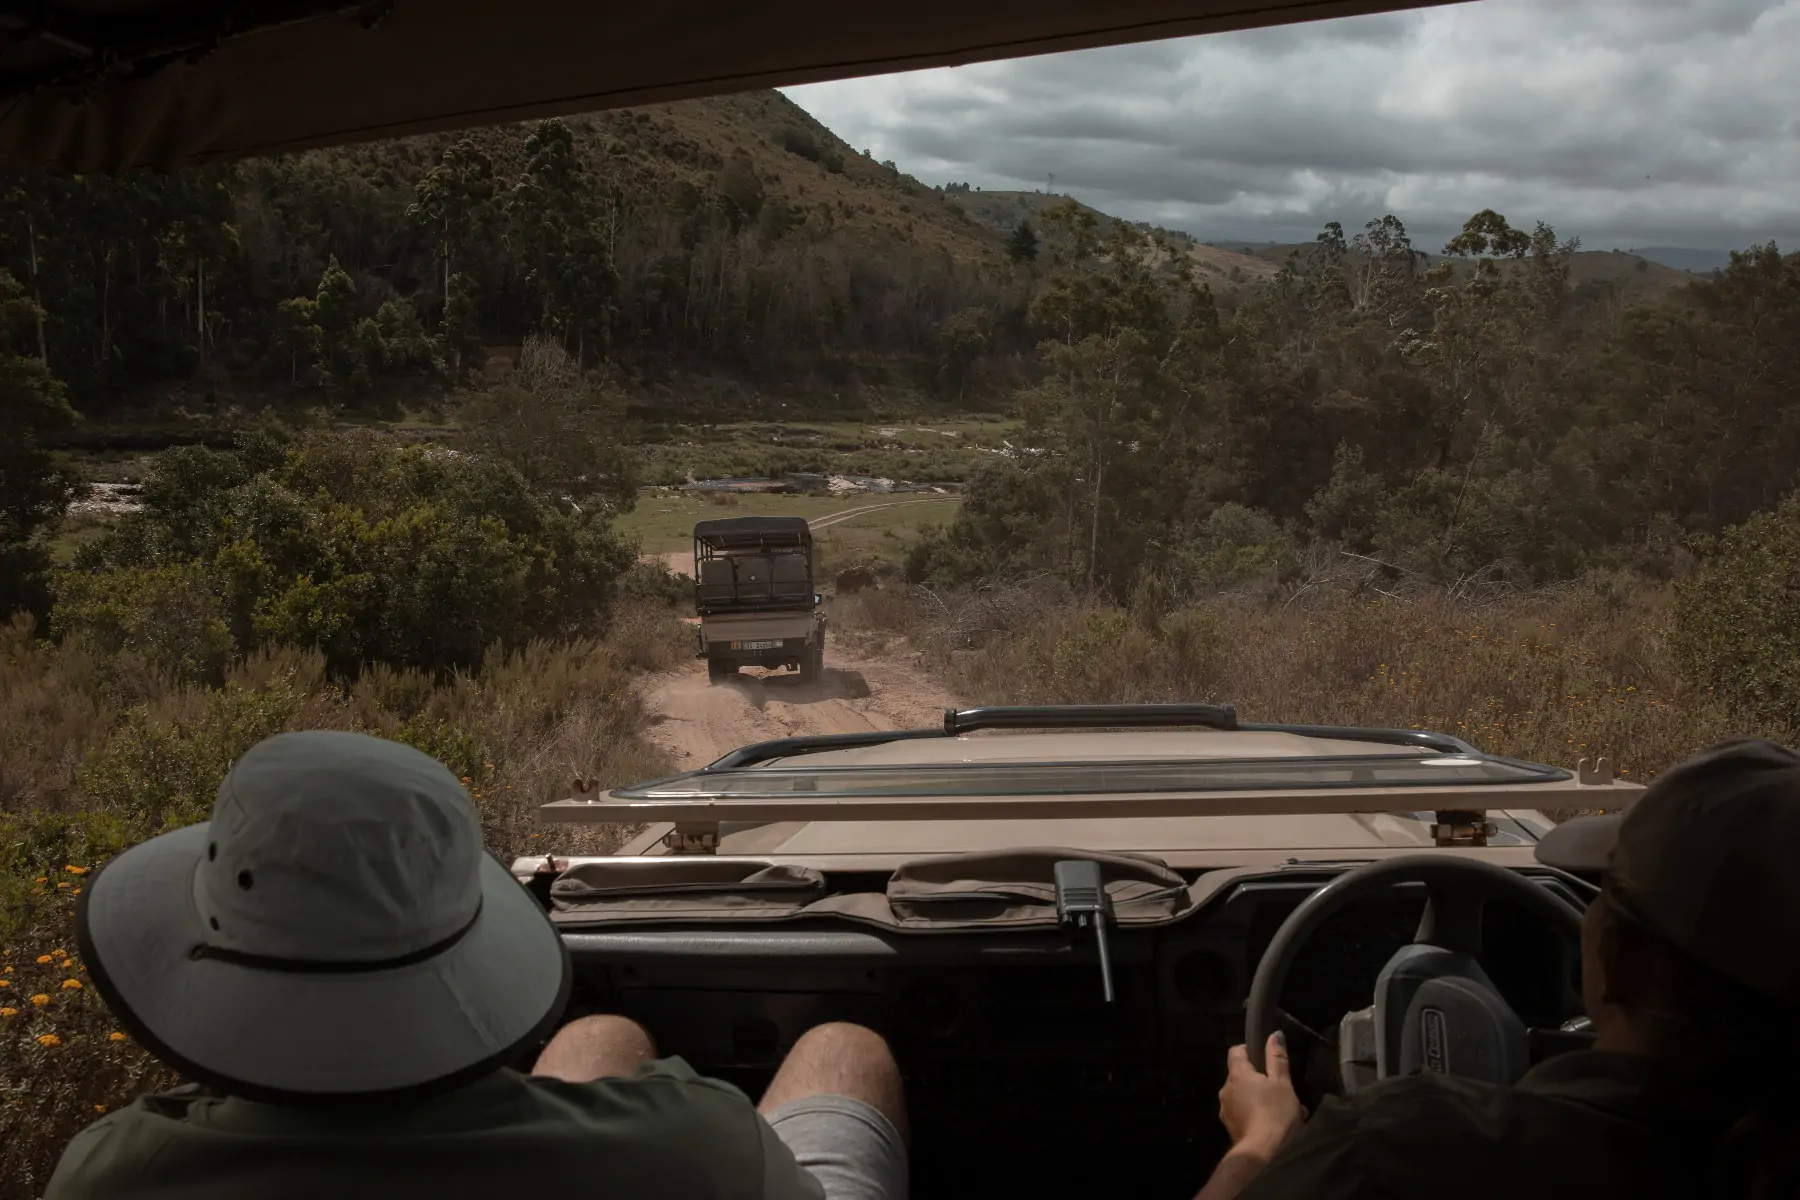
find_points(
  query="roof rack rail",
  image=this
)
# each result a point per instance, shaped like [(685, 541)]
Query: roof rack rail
[(1387, 737), (1088, 716), (747, 756)]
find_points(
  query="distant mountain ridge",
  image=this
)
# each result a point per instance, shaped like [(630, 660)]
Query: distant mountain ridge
[(1700, 262)]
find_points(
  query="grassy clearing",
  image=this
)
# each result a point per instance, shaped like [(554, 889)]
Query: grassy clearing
[(924, 451), (665, 522), (1550, 677), (98, 754), (881, 535)]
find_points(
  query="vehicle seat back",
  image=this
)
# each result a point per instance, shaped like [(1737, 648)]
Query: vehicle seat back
[(753, 582), (789, 577), (715, 581)]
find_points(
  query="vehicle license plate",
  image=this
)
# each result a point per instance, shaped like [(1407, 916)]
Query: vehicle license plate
[(774, 645)]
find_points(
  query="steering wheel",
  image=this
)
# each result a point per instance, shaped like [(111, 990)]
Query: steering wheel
[(1435, 1008)]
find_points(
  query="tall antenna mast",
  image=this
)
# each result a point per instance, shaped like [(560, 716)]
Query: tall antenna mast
[(1050, 186)]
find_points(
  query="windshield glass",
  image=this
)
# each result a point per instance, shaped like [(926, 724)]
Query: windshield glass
[(1090, 778)]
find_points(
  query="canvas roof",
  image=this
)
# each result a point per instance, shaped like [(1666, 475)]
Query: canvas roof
[(102, 85)]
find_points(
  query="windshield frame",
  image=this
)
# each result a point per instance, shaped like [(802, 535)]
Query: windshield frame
[(1286, 773)]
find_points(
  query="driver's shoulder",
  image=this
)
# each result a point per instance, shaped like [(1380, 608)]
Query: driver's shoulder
[(1407, 1101)]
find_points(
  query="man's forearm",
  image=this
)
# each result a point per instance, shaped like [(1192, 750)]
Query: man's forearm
[(1241, 1164)]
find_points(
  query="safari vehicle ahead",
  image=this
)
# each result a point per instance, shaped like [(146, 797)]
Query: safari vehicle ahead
[(1061, 918), (753, 592)]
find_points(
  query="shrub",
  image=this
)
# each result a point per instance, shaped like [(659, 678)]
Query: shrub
[(1737, 619), (1548, 676), (93, 760), (170, 616), (346, 544)]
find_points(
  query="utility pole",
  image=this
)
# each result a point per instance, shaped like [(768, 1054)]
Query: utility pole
[(1050, 186)]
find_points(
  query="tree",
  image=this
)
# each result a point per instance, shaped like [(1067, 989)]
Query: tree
[(560, 431), (1487, 235), (458, 332), (334, 314), (1022, 246), (961, 340), (35, 489), (455, 201), (552, 211)]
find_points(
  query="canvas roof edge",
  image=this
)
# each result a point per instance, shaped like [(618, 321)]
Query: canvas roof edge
[(117, 85), (1574, 793), (725, 533)]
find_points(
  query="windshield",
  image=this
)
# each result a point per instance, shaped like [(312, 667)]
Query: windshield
[(1091, 778)]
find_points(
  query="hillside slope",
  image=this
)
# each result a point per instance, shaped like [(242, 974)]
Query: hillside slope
[(1000, 213), (734, 244)]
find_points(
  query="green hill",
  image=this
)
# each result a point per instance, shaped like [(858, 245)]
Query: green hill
[(1001, 212)]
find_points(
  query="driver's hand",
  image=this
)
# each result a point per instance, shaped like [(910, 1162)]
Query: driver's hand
[(1259, 1111)]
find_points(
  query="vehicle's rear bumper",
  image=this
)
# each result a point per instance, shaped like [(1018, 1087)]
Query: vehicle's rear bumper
[(744, 640)]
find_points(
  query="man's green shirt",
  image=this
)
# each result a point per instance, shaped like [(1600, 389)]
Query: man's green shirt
[(663, 1134), (1577, 1126)]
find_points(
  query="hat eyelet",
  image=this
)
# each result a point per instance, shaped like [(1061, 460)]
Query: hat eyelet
[(214, 922), (245, 879), (212, 851)]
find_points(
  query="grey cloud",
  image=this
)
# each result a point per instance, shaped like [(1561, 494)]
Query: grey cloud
[(1645, 122)]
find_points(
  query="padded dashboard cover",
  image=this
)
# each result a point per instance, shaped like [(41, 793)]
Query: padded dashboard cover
[(683, 887), (1011, 889), (107, 85)]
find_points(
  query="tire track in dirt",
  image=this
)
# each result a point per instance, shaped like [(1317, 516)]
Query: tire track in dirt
[(698, 722)]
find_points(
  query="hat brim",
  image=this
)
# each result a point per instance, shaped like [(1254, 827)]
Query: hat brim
[(1581, 846), (292, 1036)]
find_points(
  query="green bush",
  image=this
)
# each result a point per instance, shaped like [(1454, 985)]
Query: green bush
[(169, 616), (344, 543), (1737, 619)]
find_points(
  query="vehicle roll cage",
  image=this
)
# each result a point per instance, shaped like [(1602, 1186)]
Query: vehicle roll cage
[(1457, 805), (733, 541)]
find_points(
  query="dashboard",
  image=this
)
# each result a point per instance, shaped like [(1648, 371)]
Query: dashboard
[(1019, 1073)]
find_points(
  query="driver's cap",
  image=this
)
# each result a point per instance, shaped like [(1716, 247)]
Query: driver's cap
[(1705, 859)]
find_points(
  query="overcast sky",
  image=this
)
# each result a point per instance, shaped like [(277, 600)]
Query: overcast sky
[(1622, 122)]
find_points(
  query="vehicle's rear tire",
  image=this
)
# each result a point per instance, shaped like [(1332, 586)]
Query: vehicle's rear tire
[(812, 666), (718, 671)]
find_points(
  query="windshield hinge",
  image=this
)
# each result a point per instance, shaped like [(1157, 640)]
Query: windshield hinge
[(1594, 772), (693, 839), (1455, 827)]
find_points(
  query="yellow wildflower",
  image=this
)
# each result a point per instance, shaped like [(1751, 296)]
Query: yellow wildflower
[(115, 1036), (5, 983), (73, 870), (9, 1011), (40, 999), (49, 1039), (99, 1108), (59, 954), (71, 983)]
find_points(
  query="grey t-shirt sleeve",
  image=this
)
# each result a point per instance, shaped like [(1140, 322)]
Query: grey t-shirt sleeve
[(783, 1178)]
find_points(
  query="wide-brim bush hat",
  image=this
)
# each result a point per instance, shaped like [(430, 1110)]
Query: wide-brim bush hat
[(335, 930)]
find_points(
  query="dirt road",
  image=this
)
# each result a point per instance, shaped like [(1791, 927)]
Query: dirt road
[(698, 723)]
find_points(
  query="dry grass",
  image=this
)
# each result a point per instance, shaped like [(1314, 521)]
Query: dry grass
[(1551, 677), (96, 755)]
